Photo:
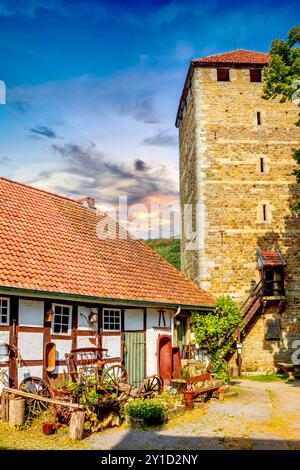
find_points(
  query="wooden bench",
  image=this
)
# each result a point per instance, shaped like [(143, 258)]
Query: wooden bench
[(201, 385)]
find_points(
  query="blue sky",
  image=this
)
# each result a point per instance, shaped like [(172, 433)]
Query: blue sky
[(93, 87)]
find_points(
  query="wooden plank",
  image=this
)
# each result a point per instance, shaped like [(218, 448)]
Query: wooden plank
[(40, 398)]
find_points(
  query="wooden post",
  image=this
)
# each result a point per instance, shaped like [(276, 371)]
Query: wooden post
[(77, 425), (4, 406), (16, 412)]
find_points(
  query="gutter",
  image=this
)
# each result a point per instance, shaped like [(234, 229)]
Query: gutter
[(91, 298), (172, 324)]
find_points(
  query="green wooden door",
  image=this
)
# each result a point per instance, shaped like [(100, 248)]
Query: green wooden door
[(134, 354)]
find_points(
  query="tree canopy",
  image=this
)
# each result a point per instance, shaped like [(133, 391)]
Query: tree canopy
[(282, 78)]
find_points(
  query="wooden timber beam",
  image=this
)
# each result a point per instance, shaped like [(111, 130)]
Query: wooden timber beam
[(40, 398)]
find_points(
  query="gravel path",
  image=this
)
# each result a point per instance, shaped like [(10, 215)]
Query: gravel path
[(261, 416)]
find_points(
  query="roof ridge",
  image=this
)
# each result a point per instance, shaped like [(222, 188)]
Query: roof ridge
[(229, 52), (39, 189)]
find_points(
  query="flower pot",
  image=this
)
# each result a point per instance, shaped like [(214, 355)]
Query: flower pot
[(48, 428)]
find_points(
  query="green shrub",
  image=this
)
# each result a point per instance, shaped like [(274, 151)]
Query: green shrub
[(217, 330), (152, 411)]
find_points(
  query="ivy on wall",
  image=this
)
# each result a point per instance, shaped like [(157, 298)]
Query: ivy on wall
[(216, 330)]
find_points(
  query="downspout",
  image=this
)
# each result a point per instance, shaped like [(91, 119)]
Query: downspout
[(172, 324)]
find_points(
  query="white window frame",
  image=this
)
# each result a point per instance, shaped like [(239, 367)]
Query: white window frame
[(68, 333), (105, 309), (8, 311)]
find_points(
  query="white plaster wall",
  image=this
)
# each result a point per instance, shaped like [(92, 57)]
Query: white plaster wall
[(30, 345), (134, 319), (63, 346), (110, 364), (84, 342), (59, 370), (152, 336), (31, 313), (113, 344), (4, 339), (6, 376), (32, 371), (82, 324)]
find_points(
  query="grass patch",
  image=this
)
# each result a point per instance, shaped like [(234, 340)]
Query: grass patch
[(266, 377), (32, 437)]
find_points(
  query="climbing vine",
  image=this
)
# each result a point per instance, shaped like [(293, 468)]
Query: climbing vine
[(215, 330)]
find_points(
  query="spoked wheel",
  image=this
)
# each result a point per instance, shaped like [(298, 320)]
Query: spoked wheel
[(150, 386), (38, 387), (114, 376)]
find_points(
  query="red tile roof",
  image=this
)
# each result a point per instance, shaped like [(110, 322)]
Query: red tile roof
[(49, 243), (239, 56), (271, 258)]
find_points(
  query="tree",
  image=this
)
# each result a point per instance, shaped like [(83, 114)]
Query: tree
[(282, 78)]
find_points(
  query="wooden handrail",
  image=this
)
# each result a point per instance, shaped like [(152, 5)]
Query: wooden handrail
[(257, 292)]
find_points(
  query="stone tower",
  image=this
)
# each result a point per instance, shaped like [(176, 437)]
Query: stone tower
[(236, 193)]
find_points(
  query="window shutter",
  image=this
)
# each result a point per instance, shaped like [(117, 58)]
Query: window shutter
[(223, 75)]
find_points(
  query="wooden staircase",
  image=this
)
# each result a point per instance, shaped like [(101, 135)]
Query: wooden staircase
[(252, 305)]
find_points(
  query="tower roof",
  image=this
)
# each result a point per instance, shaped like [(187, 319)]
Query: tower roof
[(239, 56), (270, 258)]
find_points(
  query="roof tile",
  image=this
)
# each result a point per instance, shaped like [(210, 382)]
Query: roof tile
[(239, 56), (49, 243)]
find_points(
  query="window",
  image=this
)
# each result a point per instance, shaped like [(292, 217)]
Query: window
[(4, 311), (258, 118), (62, 320), (223, 75), (255, 75), (111, 319), (264, 207), (262, 165)]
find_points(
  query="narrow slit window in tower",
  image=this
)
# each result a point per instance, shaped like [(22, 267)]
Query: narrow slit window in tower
[(262, 165), (264, 212), (258, 117)]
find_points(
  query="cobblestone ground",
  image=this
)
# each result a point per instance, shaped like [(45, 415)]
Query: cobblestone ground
[(260, 416)]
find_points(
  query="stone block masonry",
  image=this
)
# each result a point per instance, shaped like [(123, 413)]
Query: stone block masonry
[(236, 167)]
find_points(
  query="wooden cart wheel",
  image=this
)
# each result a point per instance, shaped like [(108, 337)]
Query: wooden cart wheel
[(151, 385), (38, 387), (114, 376)]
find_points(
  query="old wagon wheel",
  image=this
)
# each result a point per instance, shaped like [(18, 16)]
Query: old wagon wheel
[(150, 386), (36, 386), (114, 376)]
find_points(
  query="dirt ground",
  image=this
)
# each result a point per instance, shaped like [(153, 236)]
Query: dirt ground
[(257, 415), (262, 416)]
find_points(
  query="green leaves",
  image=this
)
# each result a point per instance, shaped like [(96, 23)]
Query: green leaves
[(216, 329), (282, 78), (152, 410)]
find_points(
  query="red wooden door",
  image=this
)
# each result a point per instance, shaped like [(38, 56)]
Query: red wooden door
[(164, 354)]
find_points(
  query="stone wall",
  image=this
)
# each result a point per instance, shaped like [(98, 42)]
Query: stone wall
[(221, 147)]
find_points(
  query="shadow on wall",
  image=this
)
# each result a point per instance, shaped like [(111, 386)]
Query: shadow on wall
[(288, 242)]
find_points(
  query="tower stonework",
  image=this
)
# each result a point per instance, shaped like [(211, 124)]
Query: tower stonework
[(236, 170)]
